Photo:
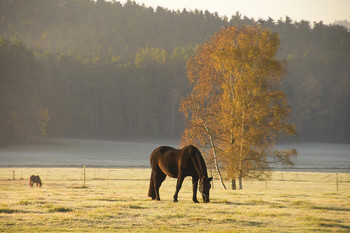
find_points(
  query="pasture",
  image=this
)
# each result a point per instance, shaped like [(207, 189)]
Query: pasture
[(116, 200)]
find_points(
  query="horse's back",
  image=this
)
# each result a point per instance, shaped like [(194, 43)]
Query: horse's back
[(162, 151)]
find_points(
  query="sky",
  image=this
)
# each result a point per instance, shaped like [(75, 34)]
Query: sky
[(310, 10)]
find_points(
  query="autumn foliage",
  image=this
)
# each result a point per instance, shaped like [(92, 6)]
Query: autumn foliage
[(236, 109)]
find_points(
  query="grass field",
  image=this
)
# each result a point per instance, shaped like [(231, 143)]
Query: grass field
[(116, 200)]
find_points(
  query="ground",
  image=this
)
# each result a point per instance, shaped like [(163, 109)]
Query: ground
[(116, 200)]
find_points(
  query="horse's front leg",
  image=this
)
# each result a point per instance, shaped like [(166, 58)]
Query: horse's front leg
[(180, 180), (195, 186)]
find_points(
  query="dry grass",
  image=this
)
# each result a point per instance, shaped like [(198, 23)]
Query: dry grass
[(116, 200)]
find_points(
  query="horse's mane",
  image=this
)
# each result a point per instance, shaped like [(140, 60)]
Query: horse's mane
[(196, 156)]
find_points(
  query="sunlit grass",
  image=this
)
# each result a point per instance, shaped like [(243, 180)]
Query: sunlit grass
[(116, 200)]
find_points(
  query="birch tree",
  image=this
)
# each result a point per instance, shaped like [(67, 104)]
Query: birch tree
[(236, 106)]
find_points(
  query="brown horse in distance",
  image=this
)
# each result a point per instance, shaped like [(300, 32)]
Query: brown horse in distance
[(188, 161), (35, 180)]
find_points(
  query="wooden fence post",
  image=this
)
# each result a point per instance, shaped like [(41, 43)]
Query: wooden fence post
[(84, 176), (109, 176), (336, 180)]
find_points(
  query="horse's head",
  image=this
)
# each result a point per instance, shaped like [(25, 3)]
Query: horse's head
[(38, 181), (204, 187)]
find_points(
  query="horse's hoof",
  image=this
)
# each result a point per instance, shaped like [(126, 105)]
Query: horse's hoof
[(195, 201), (175, 200)]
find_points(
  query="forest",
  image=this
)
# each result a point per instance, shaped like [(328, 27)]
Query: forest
[(106, 70)]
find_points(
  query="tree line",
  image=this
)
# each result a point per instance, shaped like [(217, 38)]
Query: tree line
[(98, 69)]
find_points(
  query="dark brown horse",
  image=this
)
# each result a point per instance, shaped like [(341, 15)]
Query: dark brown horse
[(35, 180), (188, 161)]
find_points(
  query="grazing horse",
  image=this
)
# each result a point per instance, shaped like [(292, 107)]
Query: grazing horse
[(188, 161), (35, 179)]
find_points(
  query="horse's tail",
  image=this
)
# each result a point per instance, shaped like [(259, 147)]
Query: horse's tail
[(151, 192), (31, 180)]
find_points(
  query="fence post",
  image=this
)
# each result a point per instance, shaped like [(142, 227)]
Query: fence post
[(336, 179), (13, 175), (109, 176), (84, 176)]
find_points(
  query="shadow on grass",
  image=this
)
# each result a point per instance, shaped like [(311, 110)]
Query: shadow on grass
[(14, 211), (250, 203), (112, 199), (60, 209), (241, 222), (334, 225), (326, 222), (227, 202), (309, 205), (334, 208), (80, 187), (136, 207), (8, 211)]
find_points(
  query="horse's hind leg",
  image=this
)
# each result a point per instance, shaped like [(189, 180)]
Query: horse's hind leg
[(158, 179)]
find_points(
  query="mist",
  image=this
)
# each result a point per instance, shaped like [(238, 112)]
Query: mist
[(314, 157), (115, 74), (81, 152)]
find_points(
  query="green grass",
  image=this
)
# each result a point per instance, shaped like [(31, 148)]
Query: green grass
[(115, 200)]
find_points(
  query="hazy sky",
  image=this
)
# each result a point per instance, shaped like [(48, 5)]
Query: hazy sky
[(311, 10)]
